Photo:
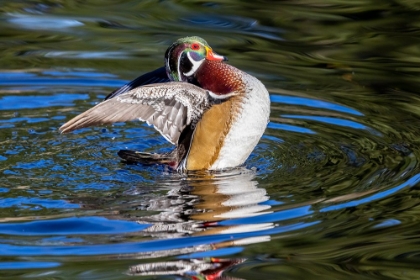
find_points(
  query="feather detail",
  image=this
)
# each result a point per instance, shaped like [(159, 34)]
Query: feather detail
[(169, 107), (157, 76)]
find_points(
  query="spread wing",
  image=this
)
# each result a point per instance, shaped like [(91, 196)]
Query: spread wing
[(169, 107)]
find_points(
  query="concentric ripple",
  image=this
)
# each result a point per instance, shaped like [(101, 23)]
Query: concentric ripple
[(330, 191)]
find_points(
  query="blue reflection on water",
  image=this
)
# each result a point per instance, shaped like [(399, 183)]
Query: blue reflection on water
[(27, 265), (388, 223), (271, 202), (271, 217), (35, 203), (83, 225), (39, 101), (42, 163), (292, 100), (141, 247), (329, 120), (61, 239), (289, 127), (34, 81)]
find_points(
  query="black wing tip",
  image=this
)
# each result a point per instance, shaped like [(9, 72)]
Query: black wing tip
[(130, 156), (157, 76), (135, 157)]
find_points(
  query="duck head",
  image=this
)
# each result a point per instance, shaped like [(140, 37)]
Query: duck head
[(185, 56)]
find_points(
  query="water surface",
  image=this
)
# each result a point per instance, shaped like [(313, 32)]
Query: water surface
[(330, 192)]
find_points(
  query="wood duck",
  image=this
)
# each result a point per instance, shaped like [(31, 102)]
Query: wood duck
[(214, 113)]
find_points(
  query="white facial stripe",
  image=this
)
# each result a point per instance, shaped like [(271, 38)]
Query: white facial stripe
[(179, 65), (195, 65), (221, 96)]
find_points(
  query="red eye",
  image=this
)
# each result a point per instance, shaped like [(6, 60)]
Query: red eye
[(195, 46)]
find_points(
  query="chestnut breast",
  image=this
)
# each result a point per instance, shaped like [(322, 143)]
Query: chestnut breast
[(221, 79), (209, 136)]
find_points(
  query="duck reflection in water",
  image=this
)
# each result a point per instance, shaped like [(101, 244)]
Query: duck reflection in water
[(214, 114), (198, 206)]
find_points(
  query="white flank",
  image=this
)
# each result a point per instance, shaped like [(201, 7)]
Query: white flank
[(248, 127)]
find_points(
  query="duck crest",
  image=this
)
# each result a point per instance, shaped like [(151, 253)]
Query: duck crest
[(185, 56), (172, 60), (220, 78)]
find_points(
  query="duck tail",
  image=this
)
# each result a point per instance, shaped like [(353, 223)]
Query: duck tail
[(148, 158)]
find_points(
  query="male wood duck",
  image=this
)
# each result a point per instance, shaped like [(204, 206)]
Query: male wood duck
[(214, 113)]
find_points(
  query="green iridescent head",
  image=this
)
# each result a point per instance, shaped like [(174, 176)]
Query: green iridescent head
[(184, 57)]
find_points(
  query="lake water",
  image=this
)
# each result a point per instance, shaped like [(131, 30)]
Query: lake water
[(330, 192)]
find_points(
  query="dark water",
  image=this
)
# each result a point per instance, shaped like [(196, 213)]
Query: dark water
[(330, 192)]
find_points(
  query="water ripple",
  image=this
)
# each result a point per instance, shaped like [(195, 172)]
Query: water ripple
[(292, 100), (331, 189), (413, 181)]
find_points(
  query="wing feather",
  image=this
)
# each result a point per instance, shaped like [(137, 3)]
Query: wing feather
[(157, 76), (169, 107)]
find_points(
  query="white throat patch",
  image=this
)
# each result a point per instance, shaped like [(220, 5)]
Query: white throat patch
[(195, 65)]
